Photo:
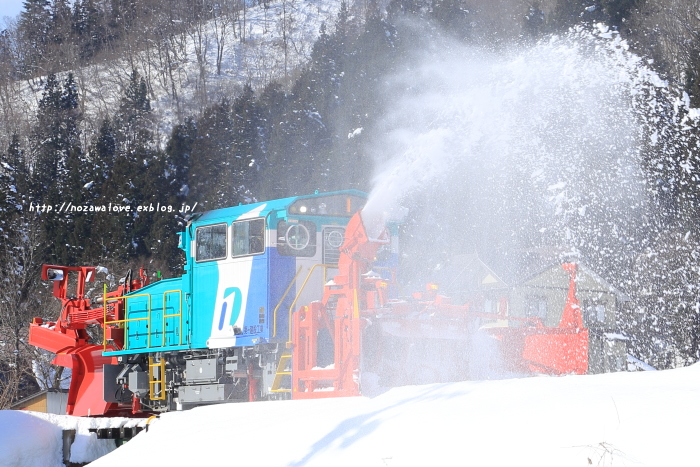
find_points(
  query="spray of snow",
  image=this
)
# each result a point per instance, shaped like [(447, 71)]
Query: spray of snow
[(542, 116), (532, 147), (538, 147)]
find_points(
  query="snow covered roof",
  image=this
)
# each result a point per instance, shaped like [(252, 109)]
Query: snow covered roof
[(518, 266), (635, 364)]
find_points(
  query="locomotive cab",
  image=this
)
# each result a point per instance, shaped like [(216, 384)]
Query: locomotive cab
[(219, 332)]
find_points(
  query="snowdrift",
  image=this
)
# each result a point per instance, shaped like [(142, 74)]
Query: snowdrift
[(626, 419), (612, 419)]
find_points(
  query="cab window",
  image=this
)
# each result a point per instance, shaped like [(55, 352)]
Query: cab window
[(248, 237), (211, 242)]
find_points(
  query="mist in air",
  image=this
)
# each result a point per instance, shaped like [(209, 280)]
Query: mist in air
[(536, 147)]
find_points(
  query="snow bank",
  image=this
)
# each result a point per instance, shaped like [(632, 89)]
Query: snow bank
[(30, 439), (614, 419), (27, 441), (640, 419)]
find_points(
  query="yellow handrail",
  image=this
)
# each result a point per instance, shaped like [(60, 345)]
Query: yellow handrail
[(308, 276), (127, 320), (173, 315), (274, 313)]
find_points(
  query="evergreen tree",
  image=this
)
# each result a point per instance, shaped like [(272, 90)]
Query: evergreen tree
[(163, 239), (8, 198), (16, 159), (692, 76), (50, 139), (568, 13), (361, 101), (275, 162), (88, 27), (17, 176), (34, 25), (617, 11), (76, 223), (178, 154), (143, 188), (244, 161), (13, 192), (60, 28), (130, 183), (124, 167), (56, 136), (210, 164), (103, 152), (123, 16), (157, 229), (611, 12), (134, 118), (101, 158), (113, 229)]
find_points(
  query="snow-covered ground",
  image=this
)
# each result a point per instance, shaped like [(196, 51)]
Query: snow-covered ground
[(31, 439), (621, 419)]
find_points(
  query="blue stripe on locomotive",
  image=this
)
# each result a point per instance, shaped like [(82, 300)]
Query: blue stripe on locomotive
[(225, 303)]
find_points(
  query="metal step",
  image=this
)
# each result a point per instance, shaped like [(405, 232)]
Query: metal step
[(283, 370)]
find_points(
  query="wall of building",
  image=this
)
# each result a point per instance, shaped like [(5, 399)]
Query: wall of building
[(45, 402), (545, 296), (36, 404)]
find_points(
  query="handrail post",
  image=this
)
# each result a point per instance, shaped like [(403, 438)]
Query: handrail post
[(284, 295), (104, 320), (303, 286), (165, 315), (127, 320)]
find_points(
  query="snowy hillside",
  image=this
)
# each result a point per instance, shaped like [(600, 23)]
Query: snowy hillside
[(253, 52), (621, 419)]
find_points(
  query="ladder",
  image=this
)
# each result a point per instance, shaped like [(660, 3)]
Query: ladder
[(156, 378), (283, 374)]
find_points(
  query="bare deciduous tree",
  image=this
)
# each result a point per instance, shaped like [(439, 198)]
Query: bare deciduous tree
[(668, 31), (223, 20), (19, 301)]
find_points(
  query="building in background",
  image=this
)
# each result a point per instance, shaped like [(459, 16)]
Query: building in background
[(534, 285), (47, 401)]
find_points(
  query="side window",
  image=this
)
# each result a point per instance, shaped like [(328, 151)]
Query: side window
[(248, 237), (211, 242), (536, 307), (296, 238), (593, 312)]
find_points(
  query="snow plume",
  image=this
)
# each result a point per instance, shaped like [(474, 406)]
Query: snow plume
[(548, 150), (533, 147)]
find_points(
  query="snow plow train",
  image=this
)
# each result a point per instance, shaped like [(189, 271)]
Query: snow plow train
[(290, 298)]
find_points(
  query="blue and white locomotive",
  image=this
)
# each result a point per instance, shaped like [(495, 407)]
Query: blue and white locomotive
[(249, 265)]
